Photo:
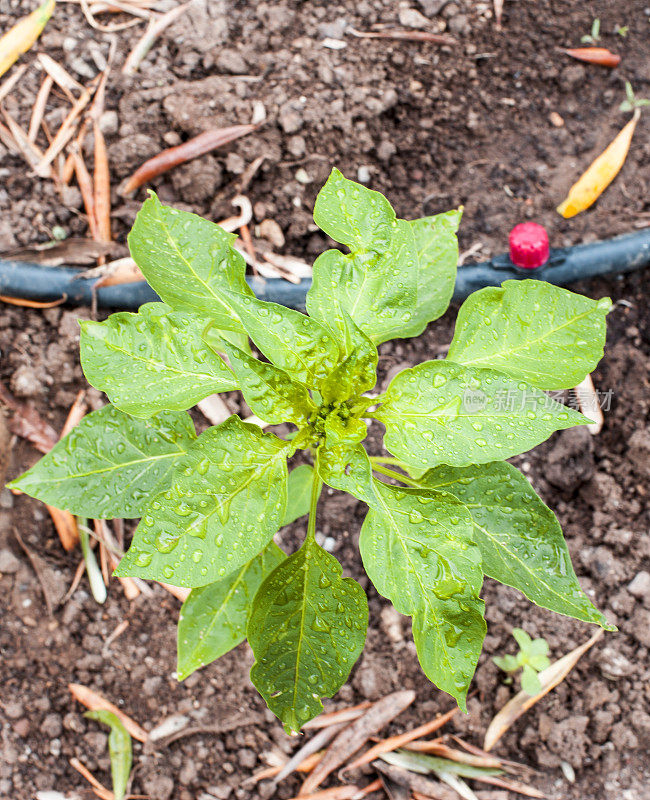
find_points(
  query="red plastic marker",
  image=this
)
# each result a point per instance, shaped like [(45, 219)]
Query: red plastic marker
[(529, 246)]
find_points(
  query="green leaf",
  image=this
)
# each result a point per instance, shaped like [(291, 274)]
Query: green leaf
[(152, 361), (417, 549), (348, 469), (357, 373), (354, 215), (323, 303), (538, 647), (120, 750), (342, 431), (531, 330), (214, 338), (307, 628), (188, 261), (290, 340), (109, 465), (226, 501), (299, 493), (539, 662), (522, 638), (520, 539), (443, 413), (530, 683), (378, 290), (437, 248), (213, 618), (399, 275), (425, 764), (268, 390), (506, 663)]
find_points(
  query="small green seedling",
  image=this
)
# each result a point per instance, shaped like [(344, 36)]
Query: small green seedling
[(632, 102), (531, 659), (621, 30), (120, 750), (593, 37), (445, 507)]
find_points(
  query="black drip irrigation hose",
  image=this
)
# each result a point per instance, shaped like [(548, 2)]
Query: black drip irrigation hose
[(624, 253)]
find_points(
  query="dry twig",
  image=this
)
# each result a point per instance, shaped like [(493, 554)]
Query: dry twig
[(498, 13), (94, 701), (66, 131), (29, 151), (85, 184), (76, 580), (99, 789), (39, 108), (53, 254), (119, 630), (323, 737), (271, 772), (589, 404), (334, 717), (155, 28), (120, 271), (21, 301), (37, 565), (438, 748), (357, 734), (102, 186), (61, 77), (118, 26), (394, 742), (66, 527), (409, 36), (179, 592), (231, 224), (335, 793), (76, 414), (8, 85), (427, 787)]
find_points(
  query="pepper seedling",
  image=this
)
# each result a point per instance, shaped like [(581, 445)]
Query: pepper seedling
[(445, 508), (531, 659)]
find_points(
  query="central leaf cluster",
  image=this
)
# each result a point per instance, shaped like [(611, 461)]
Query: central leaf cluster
[(211, 505)]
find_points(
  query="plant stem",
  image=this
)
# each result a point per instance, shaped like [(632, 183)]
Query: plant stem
[(316, 486), (390, 473), (97, 585), (387, 460)]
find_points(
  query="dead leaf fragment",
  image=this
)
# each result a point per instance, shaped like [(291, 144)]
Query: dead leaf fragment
[(27, 423), (394, 742), (357, 734), (334, 717)]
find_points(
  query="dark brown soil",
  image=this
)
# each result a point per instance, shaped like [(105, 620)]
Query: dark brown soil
[(434, 127)]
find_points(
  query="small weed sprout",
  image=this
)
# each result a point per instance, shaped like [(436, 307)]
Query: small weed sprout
[(593, 37), (632, 102), (531, 659)]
